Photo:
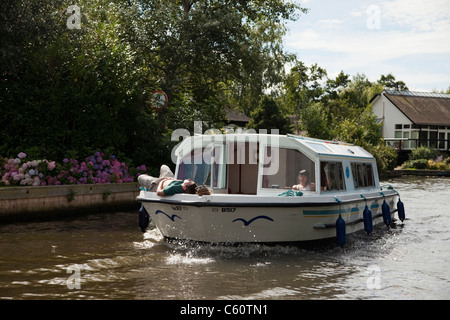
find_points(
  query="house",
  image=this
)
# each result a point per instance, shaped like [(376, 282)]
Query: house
[(413, 119), (236, 118)]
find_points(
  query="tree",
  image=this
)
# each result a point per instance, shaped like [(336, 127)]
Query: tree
[(389, 82), (74, 90), (302, 86), (268, 116), (207, 53), (71, 91), (314, 119), (334, 87)]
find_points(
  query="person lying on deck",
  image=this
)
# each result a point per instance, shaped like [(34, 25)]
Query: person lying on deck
[(166, 184), (169, 187)]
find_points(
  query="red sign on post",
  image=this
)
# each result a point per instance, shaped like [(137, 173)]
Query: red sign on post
[(158, 99)]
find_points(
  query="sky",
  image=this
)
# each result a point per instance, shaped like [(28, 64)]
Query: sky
[(408, 38)]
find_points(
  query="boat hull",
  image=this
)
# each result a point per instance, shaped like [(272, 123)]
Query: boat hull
[(242, 219)]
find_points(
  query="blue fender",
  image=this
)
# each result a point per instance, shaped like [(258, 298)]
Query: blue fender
[(400, 210), (367, 216), (144, 218), (386, 213), (340, 231)]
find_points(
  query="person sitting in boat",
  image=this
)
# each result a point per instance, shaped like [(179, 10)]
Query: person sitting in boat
[(166, 184), (303, 182)]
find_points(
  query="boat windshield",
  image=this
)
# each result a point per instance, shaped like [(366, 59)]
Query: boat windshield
[(288, 168), (197, 167)]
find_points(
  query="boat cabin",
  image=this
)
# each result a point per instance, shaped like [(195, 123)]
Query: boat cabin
[(265, 164)]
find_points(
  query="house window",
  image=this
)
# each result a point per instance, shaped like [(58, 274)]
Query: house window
[(406, 143), (433, 139), (402, 136), (423, 138), (441, 142), (398, 143), (448, 140), (414, 137)]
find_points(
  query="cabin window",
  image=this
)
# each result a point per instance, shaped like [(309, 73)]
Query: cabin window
[(282, 167), (362, 175), (332, 176), (197, 166)]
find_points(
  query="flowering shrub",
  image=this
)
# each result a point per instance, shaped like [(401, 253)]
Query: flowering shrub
[(94, 169), (438, 164)]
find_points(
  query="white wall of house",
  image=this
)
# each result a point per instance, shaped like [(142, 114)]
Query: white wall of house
[(389, 115)]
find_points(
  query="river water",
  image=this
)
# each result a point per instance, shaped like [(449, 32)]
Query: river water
[(105, 256)]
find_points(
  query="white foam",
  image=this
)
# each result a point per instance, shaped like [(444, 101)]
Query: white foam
[(178, 258)]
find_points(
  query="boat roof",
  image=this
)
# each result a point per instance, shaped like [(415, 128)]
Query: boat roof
[(314, 147), (332, 148)]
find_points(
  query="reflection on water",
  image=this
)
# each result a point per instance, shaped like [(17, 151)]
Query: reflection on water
[(111, 259)]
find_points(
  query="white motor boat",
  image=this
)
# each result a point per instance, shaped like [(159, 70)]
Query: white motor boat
[(256, 195)]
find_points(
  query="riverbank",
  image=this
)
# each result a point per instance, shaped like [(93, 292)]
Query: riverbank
[(33, 203), (419, 172)]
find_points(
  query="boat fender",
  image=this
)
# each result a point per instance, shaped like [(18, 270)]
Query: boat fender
[(386, 213), (144, 218), (340, 231), (401, 210), (340, 226), (367, 218), (368, 224)]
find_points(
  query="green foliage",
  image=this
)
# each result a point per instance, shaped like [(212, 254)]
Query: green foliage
[(77, 90), (426, 158), (416, 164), (385, 156), (268, 116), (314, 119), (72, 91), (389, 82), (336, 109), (423, 153)]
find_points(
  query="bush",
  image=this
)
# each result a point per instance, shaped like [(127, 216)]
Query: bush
[(442, 166), (437, 164), (416, 164), (431, 165), (423, 153), (385, 156), (97, 168)]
